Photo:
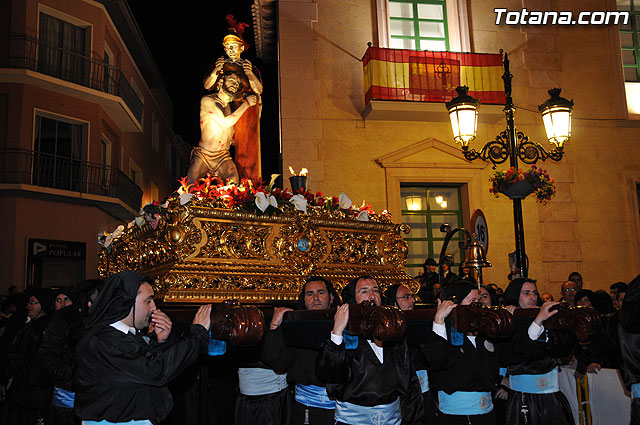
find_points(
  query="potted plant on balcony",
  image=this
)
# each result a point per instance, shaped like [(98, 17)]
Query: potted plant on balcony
[(517, 184)]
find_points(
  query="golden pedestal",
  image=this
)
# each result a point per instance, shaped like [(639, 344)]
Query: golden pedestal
[(200, 252)]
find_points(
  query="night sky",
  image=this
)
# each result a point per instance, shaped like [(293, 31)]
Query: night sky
[(185, 41)]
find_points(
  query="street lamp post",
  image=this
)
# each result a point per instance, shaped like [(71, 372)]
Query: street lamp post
[(512, 144)]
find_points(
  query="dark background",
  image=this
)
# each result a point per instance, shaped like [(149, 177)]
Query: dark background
[(185, 40)]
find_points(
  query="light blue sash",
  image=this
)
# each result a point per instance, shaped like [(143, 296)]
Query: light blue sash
[(465, 403), (63, 398), (423, 378), (503, 371), (132, 422), (258, 381), (382, 414), (545, 383), (635, 390), (314, 396)]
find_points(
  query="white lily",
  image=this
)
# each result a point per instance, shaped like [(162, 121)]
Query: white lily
[(261, 201), (185, 197), (299, 202), (273, 201), (273, 180), (113, 236), (344, 202), (363, 216)]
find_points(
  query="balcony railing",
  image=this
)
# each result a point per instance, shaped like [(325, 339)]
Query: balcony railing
[(45, 170), (27, 53), (423, 76)]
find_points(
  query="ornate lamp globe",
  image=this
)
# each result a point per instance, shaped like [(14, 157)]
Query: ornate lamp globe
[(463, 113), (556, 116)]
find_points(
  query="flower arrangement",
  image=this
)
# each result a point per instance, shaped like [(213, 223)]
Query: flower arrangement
[(538, 178), (250, 196)]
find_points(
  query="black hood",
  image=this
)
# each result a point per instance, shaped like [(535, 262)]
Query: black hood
[(115, 299), (512, 293)]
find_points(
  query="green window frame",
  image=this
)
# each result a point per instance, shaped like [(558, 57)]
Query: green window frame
[(426, 220), (418, 24), (630, 40)]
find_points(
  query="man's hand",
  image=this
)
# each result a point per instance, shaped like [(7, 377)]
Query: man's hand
[(203, 316), (510, 308), (278, 314), (251, 100), (340, 320), (3, 392), (444, 309), (502, 394), (594, 368), (161, 325), (544, 312)]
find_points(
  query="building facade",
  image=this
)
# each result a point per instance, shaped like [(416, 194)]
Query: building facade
[(386, 151), (85, 135)]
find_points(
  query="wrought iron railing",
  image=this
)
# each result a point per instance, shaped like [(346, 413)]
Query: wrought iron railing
[(424, 76), (46, 170), (26, 53)]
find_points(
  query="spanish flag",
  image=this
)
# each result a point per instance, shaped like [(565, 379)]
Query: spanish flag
[(423, 76)]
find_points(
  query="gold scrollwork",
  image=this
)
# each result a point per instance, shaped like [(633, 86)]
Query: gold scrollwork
[(235, 240), (300, 245), (353, 248)]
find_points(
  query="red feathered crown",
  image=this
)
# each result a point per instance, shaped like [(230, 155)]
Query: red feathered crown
[(236, 29)]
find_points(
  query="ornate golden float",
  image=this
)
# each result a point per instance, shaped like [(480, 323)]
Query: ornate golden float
[(204, 251)]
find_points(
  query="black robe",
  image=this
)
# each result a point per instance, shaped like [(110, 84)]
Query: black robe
[(542, 408), (297, 363), (420, 363), (357, 377), (59, 343), (473, 369), (121, 377), (300, 366), (30, 388), (630, 356)]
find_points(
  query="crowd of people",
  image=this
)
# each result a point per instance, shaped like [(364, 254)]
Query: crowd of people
[(103, 352)]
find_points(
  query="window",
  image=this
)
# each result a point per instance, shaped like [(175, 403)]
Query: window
[(418, 25), (59, 150), (105, 160), (629, 40), (167, 153), (638, 191), (155, 192), (425, 209), (109, 73), (62, 50), (155, 133), (135, 173)]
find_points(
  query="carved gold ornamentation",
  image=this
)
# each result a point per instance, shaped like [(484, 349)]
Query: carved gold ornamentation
[(201, 253), (301, 245)]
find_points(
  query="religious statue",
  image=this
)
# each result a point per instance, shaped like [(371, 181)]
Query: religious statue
[(243, 115), (216, 130)]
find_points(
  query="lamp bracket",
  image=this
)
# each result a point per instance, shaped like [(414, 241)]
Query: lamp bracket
[(497, 151), (531, 152)]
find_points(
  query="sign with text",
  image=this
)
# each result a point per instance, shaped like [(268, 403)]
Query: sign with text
[(57, 249)]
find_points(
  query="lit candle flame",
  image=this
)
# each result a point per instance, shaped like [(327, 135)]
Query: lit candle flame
[(304, 172), (293, 173)]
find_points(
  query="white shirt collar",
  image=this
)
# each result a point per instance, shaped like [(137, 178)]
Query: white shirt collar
[(125, 329), (378, 351)]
